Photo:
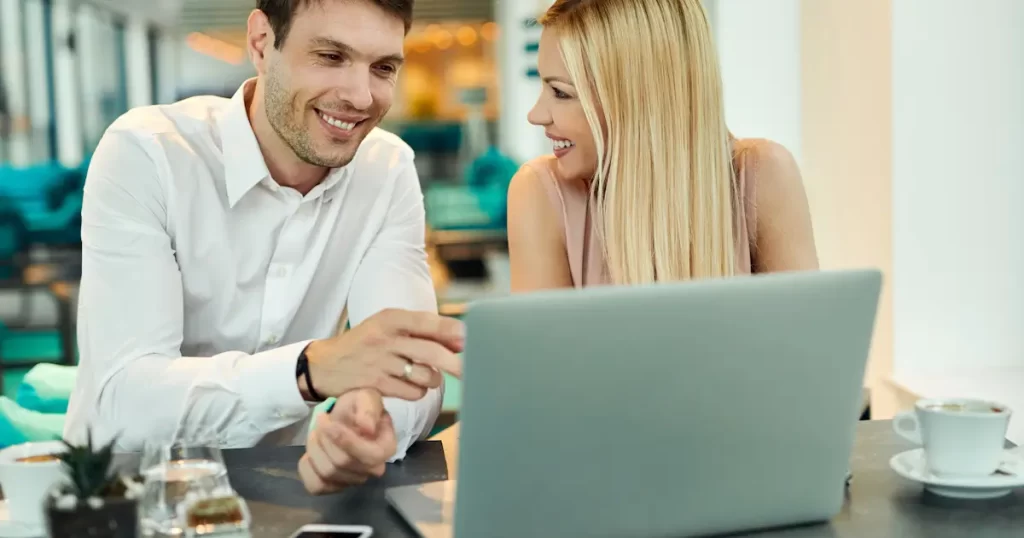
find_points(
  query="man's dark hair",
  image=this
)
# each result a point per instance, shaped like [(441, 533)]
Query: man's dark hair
[(280, 13)]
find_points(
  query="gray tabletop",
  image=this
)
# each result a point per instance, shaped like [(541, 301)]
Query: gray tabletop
[(879, 503)]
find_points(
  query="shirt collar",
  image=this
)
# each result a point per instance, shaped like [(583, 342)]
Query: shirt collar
[(331, 184), (244, 167)]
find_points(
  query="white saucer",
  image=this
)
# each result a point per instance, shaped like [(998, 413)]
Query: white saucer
[(911, 465), (11, 529)]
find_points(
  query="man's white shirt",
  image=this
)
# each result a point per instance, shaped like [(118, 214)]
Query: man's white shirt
[(203, 279)]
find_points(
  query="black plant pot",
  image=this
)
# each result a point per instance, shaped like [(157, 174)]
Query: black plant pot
[(117, 518)]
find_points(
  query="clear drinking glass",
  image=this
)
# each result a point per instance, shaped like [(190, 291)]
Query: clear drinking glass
[(175, 473)]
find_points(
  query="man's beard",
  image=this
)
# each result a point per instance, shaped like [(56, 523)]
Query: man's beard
[(277, 101)]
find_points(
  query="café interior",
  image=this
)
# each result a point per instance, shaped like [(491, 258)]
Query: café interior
[(908, 142)]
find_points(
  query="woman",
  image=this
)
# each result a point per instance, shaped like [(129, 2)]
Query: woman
[(646, 183)]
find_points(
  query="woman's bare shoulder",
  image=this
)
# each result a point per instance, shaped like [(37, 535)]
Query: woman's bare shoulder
[(784, 232), (769, 169), (758, 153), (536, 231), (533, 196)]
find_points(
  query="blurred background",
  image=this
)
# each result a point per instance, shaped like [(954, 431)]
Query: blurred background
[(906, 117)]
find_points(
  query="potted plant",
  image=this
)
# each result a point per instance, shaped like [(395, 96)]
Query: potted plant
[(95, 501)]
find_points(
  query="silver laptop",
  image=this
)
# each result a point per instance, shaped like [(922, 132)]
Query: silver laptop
[(671, 410)]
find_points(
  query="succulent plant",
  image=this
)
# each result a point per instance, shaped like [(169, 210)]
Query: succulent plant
[(95, 501), (91, 471)]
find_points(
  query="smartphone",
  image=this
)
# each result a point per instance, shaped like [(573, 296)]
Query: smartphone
[(333, 531)]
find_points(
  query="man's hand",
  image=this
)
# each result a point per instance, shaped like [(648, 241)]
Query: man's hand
[(399, 353), (349, 445)]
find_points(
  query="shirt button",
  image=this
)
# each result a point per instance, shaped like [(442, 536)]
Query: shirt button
[(272, 340)]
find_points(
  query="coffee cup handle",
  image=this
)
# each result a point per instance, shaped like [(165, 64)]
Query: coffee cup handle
[(907, 426)]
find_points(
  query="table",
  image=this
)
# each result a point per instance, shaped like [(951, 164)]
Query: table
[(879, 502), (269, 481)]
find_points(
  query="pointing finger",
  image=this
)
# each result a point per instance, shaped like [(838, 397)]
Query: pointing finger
[(446, 331)]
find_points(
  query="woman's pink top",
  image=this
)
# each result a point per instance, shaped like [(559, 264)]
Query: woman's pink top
[(573, 199)]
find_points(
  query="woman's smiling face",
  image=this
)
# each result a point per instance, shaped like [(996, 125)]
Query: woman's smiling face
[(559, 111)]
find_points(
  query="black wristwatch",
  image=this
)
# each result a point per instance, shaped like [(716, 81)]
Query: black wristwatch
[(302, 371)]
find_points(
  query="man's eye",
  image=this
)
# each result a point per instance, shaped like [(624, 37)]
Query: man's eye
[(331, 56)]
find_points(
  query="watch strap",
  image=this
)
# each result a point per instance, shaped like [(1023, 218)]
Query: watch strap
[(302, 371)]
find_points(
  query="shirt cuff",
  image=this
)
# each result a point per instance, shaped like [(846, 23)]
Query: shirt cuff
[(271, 391), (413, 420)]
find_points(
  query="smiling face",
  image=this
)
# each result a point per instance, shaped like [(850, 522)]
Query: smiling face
[(559, 111), (333, 78)]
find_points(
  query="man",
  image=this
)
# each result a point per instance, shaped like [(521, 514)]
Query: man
[(223, 240)]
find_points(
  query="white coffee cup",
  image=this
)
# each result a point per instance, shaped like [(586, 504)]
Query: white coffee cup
[(26, 484), (960, 436)]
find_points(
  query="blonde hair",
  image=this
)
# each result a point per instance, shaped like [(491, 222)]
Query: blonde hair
[(648, 78)]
